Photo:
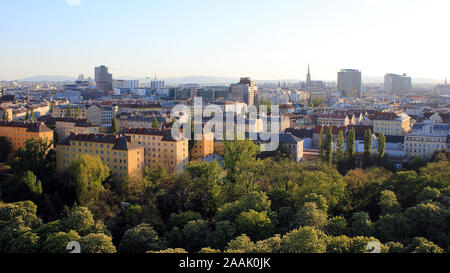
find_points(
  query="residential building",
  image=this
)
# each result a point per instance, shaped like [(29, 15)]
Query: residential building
[(18, 132), (425, 139), (203, 147), (334, 119), (123, 157), (160, 147), (69, 110), (66, 126), (392, 124)]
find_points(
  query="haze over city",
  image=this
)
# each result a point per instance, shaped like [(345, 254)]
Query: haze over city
[(266, 40)]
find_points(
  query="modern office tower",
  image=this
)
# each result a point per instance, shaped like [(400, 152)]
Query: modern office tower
[(158, 84), (103, 79), (244, 91), (350, 82), (397, 84)]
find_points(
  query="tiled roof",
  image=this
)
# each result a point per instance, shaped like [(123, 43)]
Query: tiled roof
[(37, 127), (335, 129), (120, 142), (166, 134)]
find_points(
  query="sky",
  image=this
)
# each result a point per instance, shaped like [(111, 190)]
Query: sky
[(262, 39)]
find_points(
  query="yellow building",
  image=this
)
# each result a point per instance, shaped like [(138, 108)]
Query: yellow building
[(66, 126), (76, 110), (391, 124), (160, 147), (117, 152), (204, 147), (18, 132)]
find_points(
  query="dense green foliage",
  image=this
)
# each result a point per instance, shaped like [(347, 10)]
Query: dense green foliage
[(249, 205)]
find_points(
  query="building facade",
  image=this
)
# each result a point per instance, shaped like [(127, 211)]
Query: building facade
[(397, 84), (350, 83), (392, 124), (160, 147), (66, 126), (204, 147), (425, 139), (18, 132), (244, 91), (123, 158)]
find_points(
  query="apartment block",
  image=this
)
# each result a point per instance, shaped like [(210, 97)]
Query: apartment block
[(66, 126), (123, 157), (18, 132), (425, 139), (204, 147), (392, 124), (160, 147)]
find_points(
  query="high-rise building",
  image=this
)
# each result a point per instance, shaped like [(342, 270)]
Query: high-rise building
[(103, 79), (244, 91), (158, 84), (350, 82), (397, 84)]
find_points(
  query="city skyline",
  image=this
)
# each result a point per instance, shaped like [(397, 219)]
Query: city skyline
[(264, 40)]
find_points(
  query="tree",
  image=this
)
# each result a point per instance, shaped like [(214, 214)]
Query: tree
[(36, 157), (57, 242), (241, 244), (97, 244), (337, 226), (239, 155), (361, 224), (388, 203), (80, 219), (114, 127), (155, 123), (422, 245), (310, 215), (203, 187), (304, 240), (367, 148), (32, 116), (340, 147), (351, 153), (195, 234), (329, 146), (395, 227), (224, 232), (256, 224), (381, 146), (321, 145), (6, 115), (27, 115), (139, 239), (5, 148), (86, 175), (69, 110), (32, 185), (78, 112)]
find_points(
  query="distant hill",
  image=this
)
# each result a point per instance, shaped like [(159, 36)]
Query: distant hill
[(45, 78)]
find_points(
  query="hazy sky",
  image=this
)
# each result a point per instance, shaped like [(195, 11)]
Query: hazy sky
[(264, 39)]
